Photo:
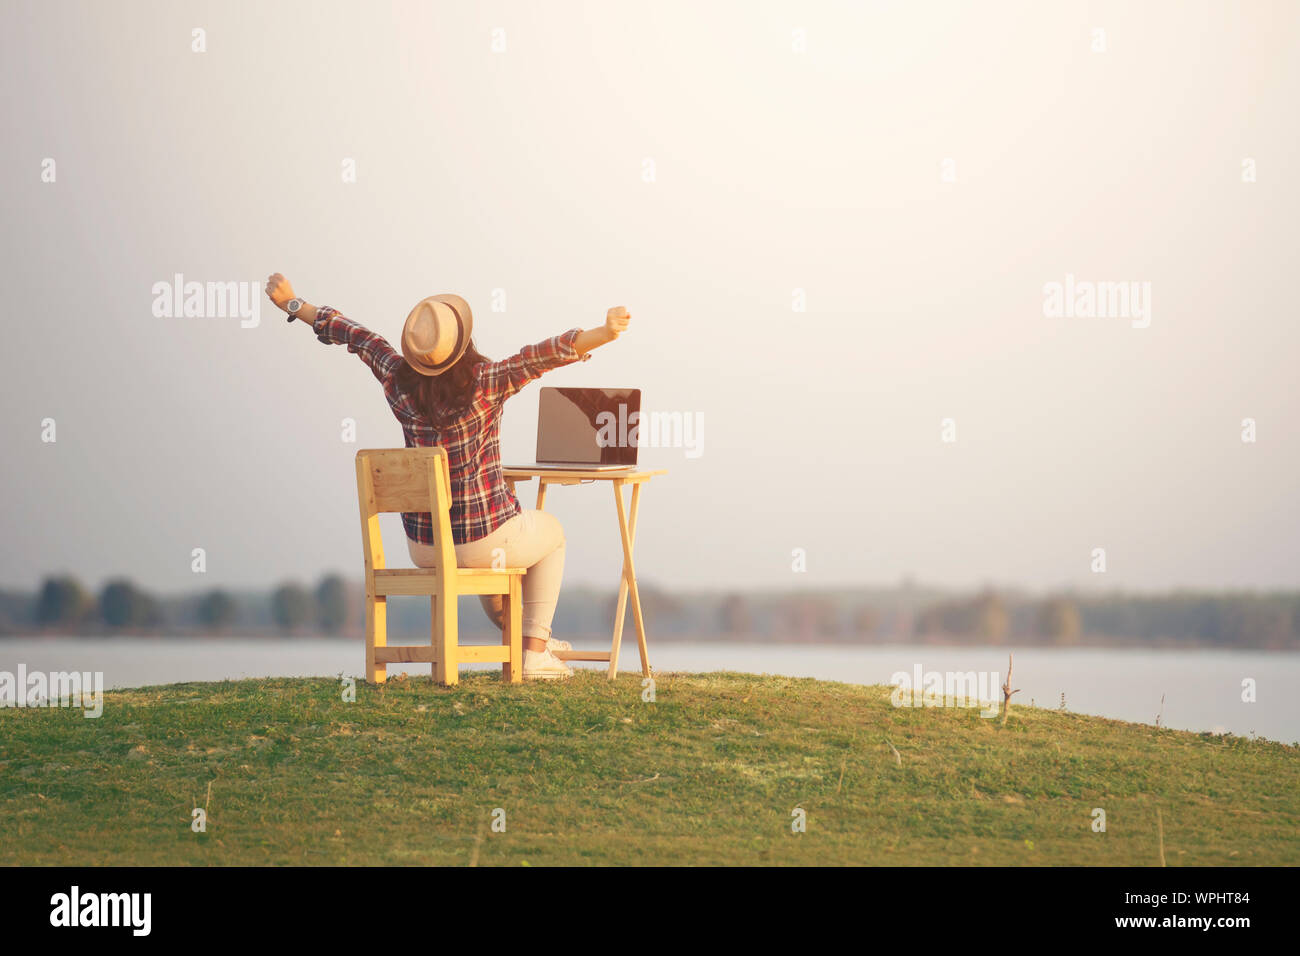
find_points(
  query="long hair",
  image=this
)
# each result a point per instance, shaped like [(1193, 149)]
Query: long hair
[(446, 397)]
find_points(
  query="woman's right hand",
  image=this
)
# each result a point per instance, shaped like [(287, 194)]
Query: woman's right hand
[(616, 320)]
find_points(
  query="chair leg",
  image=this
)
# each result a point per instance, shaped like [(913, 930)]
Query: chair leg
[(445, 627), (512, 631), (376, 636)]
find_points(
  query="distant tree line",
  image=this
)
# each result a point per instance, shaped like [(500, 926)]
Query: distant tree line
[(63, 604), (1240, 620), (882, 615)]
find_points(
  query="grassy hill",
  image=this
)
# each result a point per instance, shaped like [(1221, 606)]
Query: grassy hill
[(587, 772)]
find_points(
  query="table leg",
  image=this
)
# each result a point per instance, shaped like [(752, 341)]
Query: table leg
[(541, 491), (627, 584)]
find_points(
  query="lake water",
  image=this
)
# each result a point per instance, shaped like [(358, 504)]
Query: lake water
[(1202, 689)]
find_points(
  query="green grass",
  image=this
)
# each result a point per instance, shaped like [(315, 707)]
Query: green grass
[(588, 773)]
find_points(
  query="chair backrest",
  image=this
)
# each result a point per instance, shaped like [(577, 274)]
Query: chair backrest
[(404, 479)]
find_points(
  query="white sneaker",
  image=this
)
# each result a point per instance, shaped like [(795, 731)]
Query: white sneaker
[(555, 644), (543, 665)]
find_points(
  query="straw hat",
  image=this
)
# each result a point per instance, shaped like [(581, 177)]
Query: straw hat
[(437, 333)]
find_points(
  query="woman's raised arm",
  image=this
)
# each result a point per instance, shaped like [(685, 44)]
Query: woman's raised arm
[(502, 379), (333, 328)]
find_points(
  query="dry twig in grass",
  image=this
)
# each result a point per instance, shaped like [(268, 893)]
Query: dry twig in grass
[(478, 842), (1006, 689), (1160, 830)]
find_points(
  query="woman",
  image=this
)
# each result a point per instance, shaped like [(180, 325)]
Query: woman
[(445, 393)]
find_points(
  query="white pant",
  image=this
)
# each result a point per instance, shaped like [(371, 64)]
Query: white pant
[(532, 540)]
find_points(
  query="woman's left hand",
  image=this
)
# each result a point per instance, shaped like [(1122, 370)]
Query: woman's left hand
[(279, 290)]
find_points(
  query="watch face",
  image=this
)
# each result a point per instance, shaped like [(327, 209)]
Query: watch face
[(293, 305)]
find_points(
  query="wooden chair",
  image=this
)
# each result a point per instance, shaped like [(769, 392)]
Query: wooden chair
[(417, 479)]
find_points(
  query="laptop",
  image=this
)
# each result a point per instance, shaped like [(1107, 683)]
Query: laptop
[(587, 429)]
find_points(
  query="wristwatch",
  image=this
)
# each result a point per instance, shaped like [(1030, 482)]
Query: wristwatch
[(292, 306)]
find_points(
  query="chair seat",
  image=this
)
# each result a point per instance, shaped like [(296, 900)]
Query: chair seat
[(419, 581)]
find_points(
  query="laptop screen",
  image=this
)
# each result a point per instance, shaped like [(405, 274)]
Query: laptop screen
[(591, 426)]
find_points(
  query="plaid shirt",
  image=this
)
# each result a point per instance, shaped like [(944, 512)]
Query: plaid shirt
[(481, 501)]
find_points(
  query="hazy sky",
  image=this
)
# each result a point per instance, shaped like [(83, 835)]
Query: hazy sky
[(773, 171)]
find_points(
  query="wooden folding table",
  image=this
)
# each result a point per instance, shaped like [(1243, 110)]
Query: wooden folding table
[(627, 530)]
